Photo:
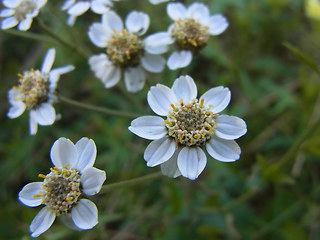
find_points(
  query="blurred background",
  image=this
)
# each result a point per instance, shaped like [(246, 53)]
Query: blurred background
[(269, 57)]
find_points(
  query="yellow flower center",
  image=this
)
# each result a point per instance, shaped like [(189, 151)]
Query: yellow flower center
[(23, 9)]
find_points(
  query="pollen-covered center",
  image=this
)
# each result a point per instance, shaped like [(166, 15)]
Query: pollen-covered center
[(34, 87), (191, 123), (61, 189), (23, 9), (189, 34), (125, 49)]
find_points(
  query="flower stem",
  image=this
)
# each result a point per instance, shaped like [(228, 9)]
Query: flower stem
[(29, 35), (130, 182), (103, 110)]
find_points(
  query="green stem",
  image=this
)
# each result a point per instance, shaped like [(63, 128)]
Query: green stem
[(29, 35), (61, 40), (130, 182), (103, 110)]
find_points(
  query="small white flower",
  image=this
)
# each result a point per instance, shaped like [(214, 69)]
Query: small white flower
[(20, 11), (73, 174), (125, 50), (190, 32), (36, 93), (78, 7), (190, 125)]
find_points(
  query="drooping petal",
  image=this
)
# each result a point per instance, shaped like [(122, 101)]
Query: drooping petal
[(230, 127), (223, 150), (92, 180), (87, 152), (176, 10), (6, 12), (134, 79), (149, 127), (153, 63), (25, 24), (29, 195), (111, 20), (33, 125), (218, 98), (54, 75), (217, 24), (170, 168), (99, 35), (159, 151), (42, 221), (16, 110), (160, 98), (44, 114), (63, 153), (9, 22), (185, 88), (48, 60), (198, 11), (191, 162), (137, 22), (79, 8), (179, 59), (85, 214), (100, 7), (157, 43)]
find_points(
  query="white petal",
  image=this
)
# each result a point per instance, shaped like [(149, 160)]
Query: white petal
[(41, 3), (54, 75), (179, 59), (25, 24), (79, 8), (149, 127), (104, 70), (18, 106), (153, 63), (137, 22), (160, 98), (33, 125), (191, 162), (67, 4), (99, 35), (48, 60), (99, 7), (44, 114), (42, 221), (170, 167), (157, 43), (85, 214), (28, 194), (9, 23), (11, 3), (6, 12), (218, 98), (230, 127), (218, 24), (176, 10), (159, 151), (92, 180), (157, 1), (185, 88), (87, 152), (198, 11), (134, 78), (111, 20), (71, 20), (223, 150), (63, 153)]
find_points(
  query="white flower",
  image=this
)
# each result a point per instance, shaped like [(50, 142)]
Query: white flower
[(125, 50), (20, 11), (73, 174), (190, 32), (78, 7), (189, 126), (36, 93)]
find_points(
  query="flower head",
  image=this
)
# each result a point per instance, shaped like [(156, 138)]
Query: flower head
[(36, 92), (125, 50), (20, 12), (190, 124), (61, 191), (76, 8)]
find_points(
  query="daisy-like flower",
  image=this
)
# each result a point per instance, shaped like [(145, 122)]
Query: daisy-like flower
[(61, 190), (36, 92), (20, 12), (190, 32), (76, 8), (125, 50), (190, 125)]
